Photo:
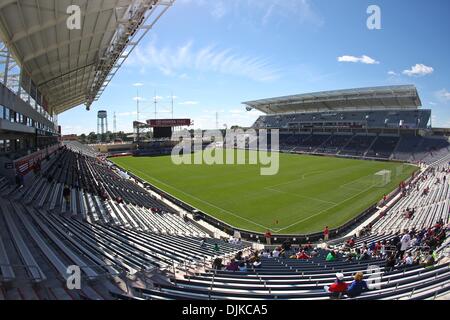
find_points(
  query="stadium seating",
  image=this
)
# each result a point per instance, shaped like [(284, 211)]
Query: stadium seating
[(293, 279), (393, 119), (429, 207), (113, 240)]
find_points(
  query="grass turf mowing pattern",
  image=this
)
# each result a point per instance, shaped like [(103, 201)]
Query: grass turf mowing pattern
[(308, 192)]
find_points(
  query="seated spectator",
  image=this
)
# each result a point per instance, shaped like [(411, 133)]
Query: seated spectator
[(275, 253), (266, 253), (331, 256), (232, 266), (238, 256), (408, 260), (358, 286), (365, 255), (286, 246), (390, 262), (314, 253), (429, 260), (257, 264), (217, 264), (338, 288), (243, 267), (301, 255)]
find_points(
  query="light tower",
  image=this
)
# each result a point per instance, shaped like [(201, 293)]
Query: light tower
[(115, 123), (102, 123)]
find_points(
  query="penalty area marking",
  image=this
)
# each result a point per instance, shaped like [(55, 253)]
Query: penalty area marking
[(319, 213)]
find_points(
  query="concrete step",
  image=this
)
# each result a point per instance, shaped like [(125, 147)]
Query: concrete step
[(28, 293), (13, 294), (61, 294)]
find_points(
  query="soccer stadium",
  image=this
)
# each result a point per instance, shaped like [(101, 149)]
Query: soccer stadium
[(326, 195)]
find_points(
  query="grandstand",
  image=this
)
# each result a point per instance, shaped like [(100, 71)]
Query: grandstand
[(66, 204), (376, 123)]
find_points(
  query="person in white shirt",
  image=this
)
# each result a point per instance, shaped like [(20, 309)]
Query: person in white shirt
[(275, 253), (405, 244), (409, 260)]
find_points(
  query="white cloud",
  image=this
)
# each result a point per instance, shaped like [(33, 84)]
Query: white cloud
[(443, 95), (140, 99), (171, 61), (263, 11), (189, 103), (219, 10), (353, 59), (184, 76), (138, 84), (392, 73), (418, 70)]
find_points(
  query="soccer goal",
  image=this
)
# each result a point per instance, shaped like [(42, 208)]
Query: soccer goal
[(382, 178)]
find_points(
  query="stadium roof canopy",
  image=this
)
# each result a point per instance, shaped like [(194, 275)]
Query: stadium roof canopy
[(73, 66), (390, 97)]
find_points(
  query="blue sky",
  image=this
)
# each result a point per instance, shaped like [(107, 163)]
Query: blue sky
[(214, 54)]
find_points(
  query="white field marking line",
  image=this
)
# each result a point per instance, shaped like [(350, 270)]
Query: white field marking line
[(295, 180), (206, 202), (321, 171), (319, 213), (300, 196)]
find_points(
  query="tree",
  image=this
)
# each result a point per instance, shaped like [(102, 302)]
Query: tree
[(83, 138), (92, 138)]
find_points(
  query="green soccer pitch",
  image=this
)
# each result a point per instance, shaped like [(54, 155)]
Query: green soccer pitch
[(308, 192)]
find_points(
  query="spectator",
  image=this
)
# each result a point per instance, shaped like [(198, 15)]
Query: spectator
[(232, 266), (257, 263), (338, 288), (66, 195), (358, 286), (243, 267), (404, 245), (390, 262), (238, 256), (301, 255), (217, 264), (268, 236), (216, 247), (331, 256), (19, 181), (429, 260), (326, 234), (275, 253), (266, 253)]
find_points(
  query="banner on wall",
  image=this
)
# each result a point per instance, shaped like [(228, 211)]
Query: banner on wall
[(24, 165)]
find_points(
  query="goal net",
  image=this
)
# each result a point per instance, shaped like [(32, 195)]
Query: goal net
[(382, 178)]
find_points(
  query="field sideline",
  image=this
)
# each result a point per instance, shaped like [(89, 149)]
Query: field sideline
[(308, 193)]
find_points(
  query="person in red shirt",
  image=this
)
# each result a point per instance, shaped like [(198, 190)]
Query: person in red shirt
[(302, 255), (326, 234), (338, 288), (268, 237)]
